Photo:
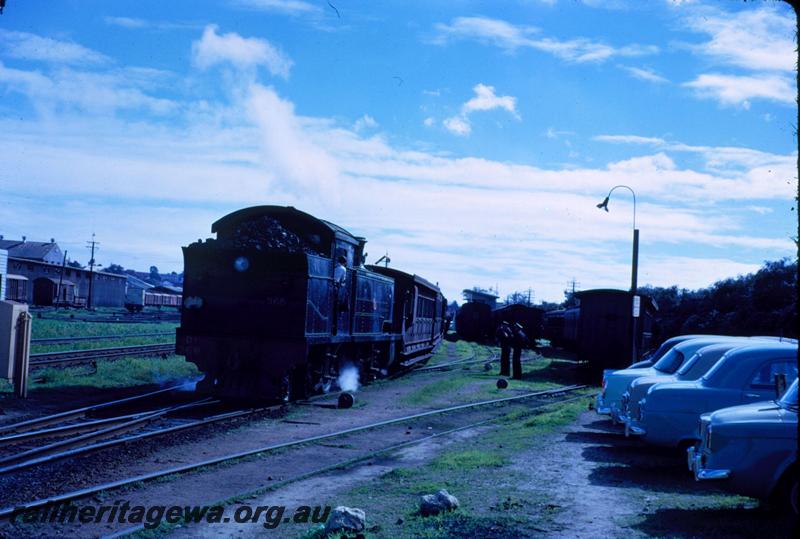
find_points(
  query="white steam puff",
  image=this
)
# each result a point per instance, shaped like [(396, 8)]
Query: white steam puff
[(348, 378)]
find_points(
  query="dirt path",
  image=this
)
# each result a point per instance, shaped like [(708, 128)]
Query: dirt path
[(582, 508)]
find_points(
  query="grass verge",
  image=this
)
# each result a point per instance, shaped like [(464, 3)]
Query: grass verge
[(125, 372)]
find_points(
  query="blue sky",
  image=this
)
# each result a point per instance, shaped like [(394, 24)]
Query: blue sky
[(470, 140)]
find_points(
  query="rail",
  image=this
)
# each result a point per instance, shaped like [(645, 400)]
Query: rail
[(46, 359), (19, 508), (65, 340)]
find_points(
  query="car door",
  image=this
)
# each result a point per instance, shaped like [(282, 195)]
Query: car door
[(761, 384)]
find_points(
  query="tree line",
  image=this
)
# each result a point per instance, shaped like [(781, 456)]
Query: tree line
[(761, 303)]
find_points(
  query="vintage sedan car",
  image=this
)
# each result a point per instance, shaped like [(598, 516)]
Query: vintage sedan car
[(670, 411), (648, 360), (609, 401), (751, 449), (694, 368)]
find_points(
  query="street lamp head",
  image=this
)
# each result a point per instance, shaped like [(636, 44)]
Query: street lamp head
[(603, 205)]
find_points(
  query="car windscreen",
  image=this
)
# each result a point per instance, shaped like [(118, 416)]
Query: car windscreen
[(670, 362), (689, 364), (658, 354), (789, 399)]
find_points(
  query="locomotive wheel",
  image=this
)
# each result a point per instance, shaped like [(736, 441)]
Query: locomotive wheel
[(300, 383)]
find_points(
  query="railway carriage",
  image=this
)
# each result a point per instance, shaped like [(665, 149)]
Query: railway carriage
[(263, 318), (474, 322), (418, 315)]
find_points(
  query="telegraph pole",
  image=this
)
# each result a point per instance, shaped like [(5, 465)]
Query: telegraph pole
[(93, 245), (61, 280)]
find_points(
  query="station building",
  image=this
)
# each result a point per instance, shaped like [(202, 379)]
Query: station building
[(479, 296), (37, 276)]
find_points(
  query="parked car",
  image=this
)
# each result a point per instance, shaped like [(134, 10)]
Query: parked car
[(694, 368), (751, 449), (615, 383), (670, 411), (649, 359)]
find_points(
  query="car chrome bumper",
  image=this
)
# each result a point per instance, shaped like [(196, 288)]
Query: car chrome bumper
[(600, 406), (633, 430), (695, 463)]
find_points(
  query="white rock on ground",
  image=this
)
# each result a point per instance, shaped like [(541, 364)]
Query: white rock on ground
[(346, 519), (433, 504)]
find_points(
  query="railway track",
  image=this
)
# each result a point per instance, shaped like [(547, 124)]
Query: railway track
[(124, 319), (67, 340), (78, 432), (73, 357), (546, 397)]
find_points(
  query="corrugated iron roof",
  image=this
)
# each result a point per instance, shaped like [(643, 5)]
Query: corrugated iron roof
[(33, 250)]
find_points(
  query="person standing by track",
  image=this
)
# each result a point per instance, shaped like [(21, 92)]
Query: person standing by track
[(504, 336)]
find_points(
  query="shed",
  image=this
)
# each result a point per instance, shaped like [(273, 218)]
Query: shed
[(17, 288), (614, 328)]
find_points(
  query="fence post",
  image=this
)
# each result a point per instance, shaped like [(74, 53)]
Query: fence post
[(22, 355)]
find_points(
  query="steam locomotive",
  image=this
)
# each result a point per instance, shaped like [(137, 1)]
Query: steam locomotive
[(263, 317)]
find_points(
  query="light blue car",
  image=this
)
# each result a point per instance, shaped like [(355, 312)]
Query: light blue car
[(751, 449), (615, 383), (670, 412), (694, 368)]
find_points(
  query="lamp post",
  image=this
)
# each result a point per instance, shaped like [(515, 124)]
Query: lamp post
[(634, 268), (635, 261)]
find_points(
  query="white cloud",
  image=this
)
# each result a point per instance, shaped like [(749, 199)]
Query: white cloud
[(292, 7), (428, 122), (692, 272), (298, 163), (645, 74), (133, 23), (92, 93), (365, 122), (491, 31), (458, 125), (485, 99), (127, 22), (510, 37), (755, 38), (740, 89), (629, 139), (25, 46), (552, 133), (728, 161), (240, 51)]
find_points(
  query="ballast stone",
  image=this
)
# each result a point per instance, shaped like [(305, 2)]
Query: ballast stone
[(346, 519), (433, 504)]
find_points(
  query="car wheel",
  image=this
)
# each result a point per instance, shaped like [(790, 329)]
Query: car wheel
[(785, 496)]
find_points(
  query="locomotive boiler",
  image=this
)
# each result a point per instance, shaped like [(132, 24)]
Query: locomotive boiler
[(265, 315)]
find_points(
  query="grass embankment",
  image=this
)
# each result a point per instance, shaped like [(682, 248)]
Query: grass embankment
[(124, 372), (472, 381)]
